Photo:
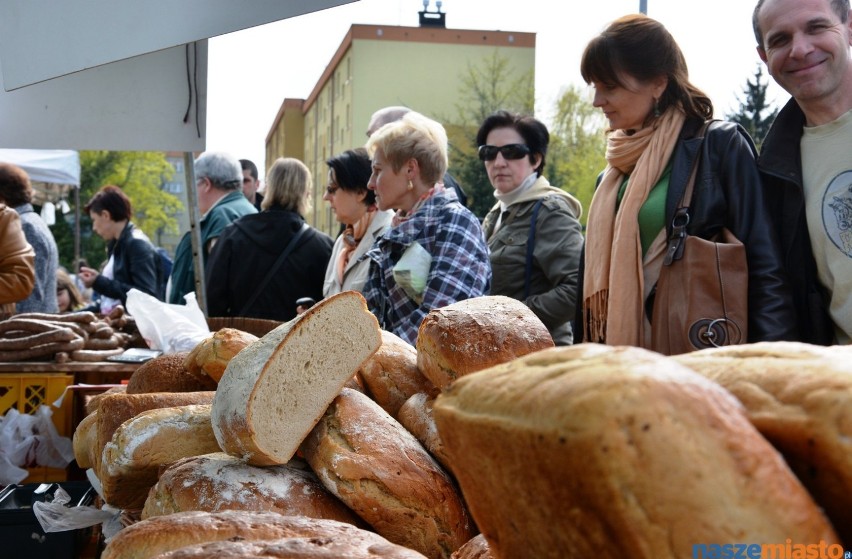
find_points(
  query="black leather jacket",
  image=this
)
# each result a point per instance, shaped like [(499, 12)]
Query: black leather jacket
[(780, 165), (135, 265)]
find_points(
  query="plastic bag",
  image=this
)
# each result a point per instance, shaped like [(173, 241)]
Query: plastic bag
[(30, 440), (412, 271), (169, 328), (55, 516)]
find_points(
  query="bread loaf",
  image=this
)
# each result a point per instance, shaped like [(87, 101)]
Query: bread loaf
[(149, 538), (218, 481), (212, 355), (592, 451), (92, 402), (115, 409), (287, 379), (476, 548), (167, 373), (799, 397), (85, 441), (391, 375), (131, 461), (366, 545), (416, 416), (366, 458), (475, 334)]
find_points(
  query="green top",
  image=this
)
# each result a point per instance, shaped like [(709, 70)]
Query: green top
[(652, 214)]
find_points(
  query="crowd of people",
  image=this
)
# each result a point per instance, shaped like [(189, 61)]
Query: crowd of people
[(409, 243)]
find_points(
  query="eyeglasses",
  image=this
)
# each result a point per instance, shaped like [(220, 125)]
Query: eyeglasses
[(509, 151), (331, 189)]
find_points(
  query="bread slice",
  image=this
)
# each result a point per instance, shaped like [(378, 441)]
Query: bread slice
[(149, 538), (219, 481), (612, 452), (275, 390), (475, 334), (131, 461)]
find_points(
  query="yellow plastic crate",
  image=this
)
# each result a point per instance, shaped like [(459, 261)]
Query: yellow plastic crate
[(25, 392)]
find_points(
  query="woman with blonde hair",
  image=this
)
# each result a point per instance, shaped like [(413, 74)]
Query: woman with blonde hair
[(68, 297), (434, 254), (264, 262)]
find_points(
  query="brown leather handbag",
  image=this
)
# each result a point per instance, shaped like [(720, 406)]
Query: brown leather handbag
[(701, 298)]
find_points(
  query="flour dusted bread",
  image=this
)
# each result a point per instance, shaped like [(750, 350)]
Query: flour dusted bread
[(366, 545), (219, 481), (131, 460), (799, 397), (475, 334), (274, 391), (380, 471), (149, 538), (391, 375), (592, 451), (167, 373), (416, 416), (212, 355)]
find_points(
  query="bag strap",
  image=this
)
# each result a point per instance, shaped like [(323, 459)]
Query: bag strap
[(531, 247), (281, 258), (681, 215)]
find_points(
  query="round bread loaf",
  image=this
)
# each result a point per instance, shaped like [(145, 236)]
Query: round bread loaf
[(799, 397), (166, 373), (366, 458), (212, 355), (149, 538), (366, 545), (475, 334), (416, 416), (594, 451), (218, 481), (476, 548), (391, 375)]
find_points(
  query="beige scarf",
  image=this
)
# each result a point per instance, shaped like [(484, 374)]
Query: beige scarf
[(352, 236), (614, 282)]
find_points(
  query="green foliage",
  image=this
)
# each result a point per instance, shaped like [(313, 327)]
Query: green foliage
[(577, 146), (753, 106), (141, 176)]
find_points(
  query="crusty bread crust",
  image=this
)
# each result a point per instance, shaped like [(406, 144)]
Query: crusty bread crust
[(151, 537), (799, 397), (85, 440), (416, 416), (366, 458), (219, 481), (212, 355), (476, 548), (167, 373), (92, 402), (611, 452), (475, 334)]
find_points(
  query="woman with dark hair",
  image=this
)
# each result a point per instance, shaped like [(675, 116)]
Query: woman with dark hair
[(534, 236), (354, 205), (132, 259), (656, 116)]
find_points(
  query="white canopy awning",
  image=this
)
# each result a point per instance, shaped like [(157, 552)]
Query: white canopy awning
[(46, 165)]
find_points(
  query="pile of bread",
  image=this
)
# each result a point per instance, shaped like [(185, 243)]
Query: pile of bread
[(331, 438)]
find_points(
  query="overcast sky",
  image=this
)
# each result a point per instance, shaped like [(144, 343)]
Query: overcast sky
[(252, 71)]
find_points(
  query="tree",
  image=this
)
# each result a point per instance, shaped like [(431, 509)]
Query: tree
[(577, 146), (753, 106), (141, 175)]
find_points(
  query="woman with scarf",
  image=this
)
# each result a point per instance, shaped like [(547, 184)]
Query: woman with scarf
[(434, 254), (354, 205), (655, 116), (533, 231)]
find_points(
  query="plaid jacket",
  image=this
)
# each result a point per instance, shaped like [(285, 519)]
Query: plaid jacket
[(460, 267)]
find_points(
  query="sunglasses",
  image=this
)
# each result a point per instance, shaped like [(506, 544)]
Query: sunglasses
[(509, 151)]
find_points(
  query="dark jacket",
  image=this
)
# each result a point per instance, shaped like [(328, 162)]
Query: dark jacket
[(244, 254), (728, 193), (135, 265), (780, 165)]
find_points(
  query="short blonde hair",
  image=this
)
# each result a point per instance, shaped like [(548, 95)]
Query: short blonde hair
[(288, 183), (413, 137)]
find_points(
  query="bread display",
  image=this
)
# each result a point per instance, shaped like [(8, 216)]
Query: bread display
[(131, 460), (475, 334), (212, 355), (84, 441), (476, 548), (167, 373), (391, 375), (416, 416), (160, 534), (610, 452), (800, 399), (218, 481), (287, 379), (369, 461)]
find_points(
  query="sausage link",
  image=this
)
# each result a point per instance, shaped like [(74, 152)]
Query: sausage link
[(79, 316), (41, 351), (51, 336)]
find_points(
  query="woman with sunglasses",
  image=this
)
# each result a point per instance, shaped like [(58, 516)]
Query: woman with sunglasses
[(354, 205), (533, 232)]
